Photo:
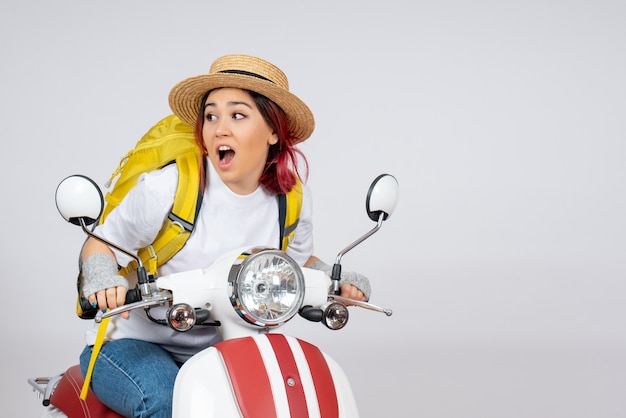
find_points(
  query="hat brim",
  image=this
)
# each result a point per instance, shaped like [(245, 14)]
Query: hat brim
[(185, 98)]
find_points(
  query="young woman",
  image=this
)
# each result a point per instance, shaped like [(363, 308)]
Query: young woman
[(247, 125)]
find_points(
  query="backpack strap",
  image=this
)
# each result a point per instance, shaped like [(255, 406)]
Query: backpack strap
[(289, 207), (181, 220)]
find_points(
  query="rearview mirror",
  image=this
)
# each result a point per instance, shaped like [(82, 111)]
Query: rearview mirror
[(79, 197), (382, 197)]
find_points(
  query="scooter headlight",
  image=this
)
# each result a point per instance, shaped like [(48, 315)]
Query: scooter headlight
[(266, 287)]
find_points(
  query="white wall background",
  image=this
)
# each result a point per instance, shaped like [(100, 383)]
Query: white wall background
[(503, 122)]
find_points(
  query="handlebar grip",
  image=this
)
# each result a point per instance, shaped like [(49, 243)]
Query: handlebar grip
[(133, 295), (87, 311)]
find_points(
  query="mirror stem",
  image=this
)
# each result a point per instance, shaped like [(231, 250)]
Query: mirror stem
[(336, 272)]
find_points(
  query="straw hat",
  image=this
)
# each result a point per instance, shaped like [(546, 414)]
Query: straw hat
[(244, 72)]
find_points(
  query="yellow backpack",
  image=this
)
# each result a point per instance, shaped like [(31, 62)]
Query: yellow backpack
[(173, 141)]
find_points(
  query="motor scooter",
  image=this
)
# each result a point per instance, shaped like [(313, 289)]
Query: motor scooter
[(256, 370)]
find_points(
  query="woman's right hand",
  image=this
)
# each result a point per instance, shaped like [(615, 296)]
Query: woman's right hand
[(110, 298), (102, 285)]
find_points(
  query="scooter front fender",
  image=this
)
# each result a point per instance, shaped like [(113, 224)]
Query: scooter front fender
[(264, 375)]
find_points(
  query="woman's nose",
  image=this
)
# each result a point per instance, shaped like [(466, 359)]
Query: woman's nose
[(222, 127)]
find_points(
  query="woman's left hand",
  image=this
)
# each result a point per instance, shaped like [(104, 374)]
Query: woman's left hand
[(352, 292)]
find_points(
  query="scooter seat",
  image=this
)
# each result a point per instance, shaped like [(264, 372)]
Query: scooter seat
[(66, 397)]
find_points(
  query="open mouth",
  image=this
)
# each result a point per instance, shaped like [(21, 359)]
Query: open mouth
[(225, 154)]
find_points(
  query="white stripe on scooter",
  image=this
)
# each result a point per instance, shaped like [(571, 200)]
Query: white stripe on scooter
[(305, 377), (275, 376)]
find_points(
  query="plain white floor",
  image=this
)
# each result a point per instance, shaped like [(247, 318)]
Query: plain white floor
[(503, 122)]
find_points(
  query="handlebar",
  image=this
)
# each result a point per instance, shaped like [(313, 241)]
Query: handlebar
[(89, 312)]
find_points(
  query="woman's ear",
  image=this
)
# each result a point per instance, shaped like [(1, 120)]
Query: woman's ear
[(273, 139)]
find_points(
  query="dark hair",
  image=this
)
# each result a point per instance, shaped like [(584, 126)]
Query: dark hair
[(282, 160)]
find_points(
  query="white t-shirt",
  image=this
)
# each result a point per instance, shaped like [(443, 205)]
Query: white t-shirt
[(226, 221)]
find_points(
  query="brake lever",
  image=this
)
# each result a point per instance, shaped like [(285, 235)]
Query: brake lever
[(361, 304), (154, 300)]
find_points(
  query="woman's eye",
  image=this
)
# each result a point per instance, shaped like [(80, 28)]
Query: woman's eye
[(209, 117), (238, 116)]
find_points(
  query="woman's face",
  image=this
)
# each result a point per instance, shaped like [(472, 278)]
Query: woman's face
[(237, 138)]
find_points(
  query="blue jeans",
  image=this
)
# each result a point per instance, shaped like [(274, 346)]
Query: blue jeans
[(134, 378)]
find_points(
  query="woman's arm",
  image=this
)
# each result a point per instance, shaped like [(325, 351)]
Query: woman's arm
[(102, 286)]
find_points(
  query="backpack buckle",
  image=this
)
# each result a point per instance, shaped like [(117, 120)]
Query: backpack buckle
[(152, 260), (180, 225)]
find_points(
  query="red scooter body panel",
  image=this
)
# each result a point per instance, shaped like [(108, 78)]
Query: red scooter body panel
[(290, 364)]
